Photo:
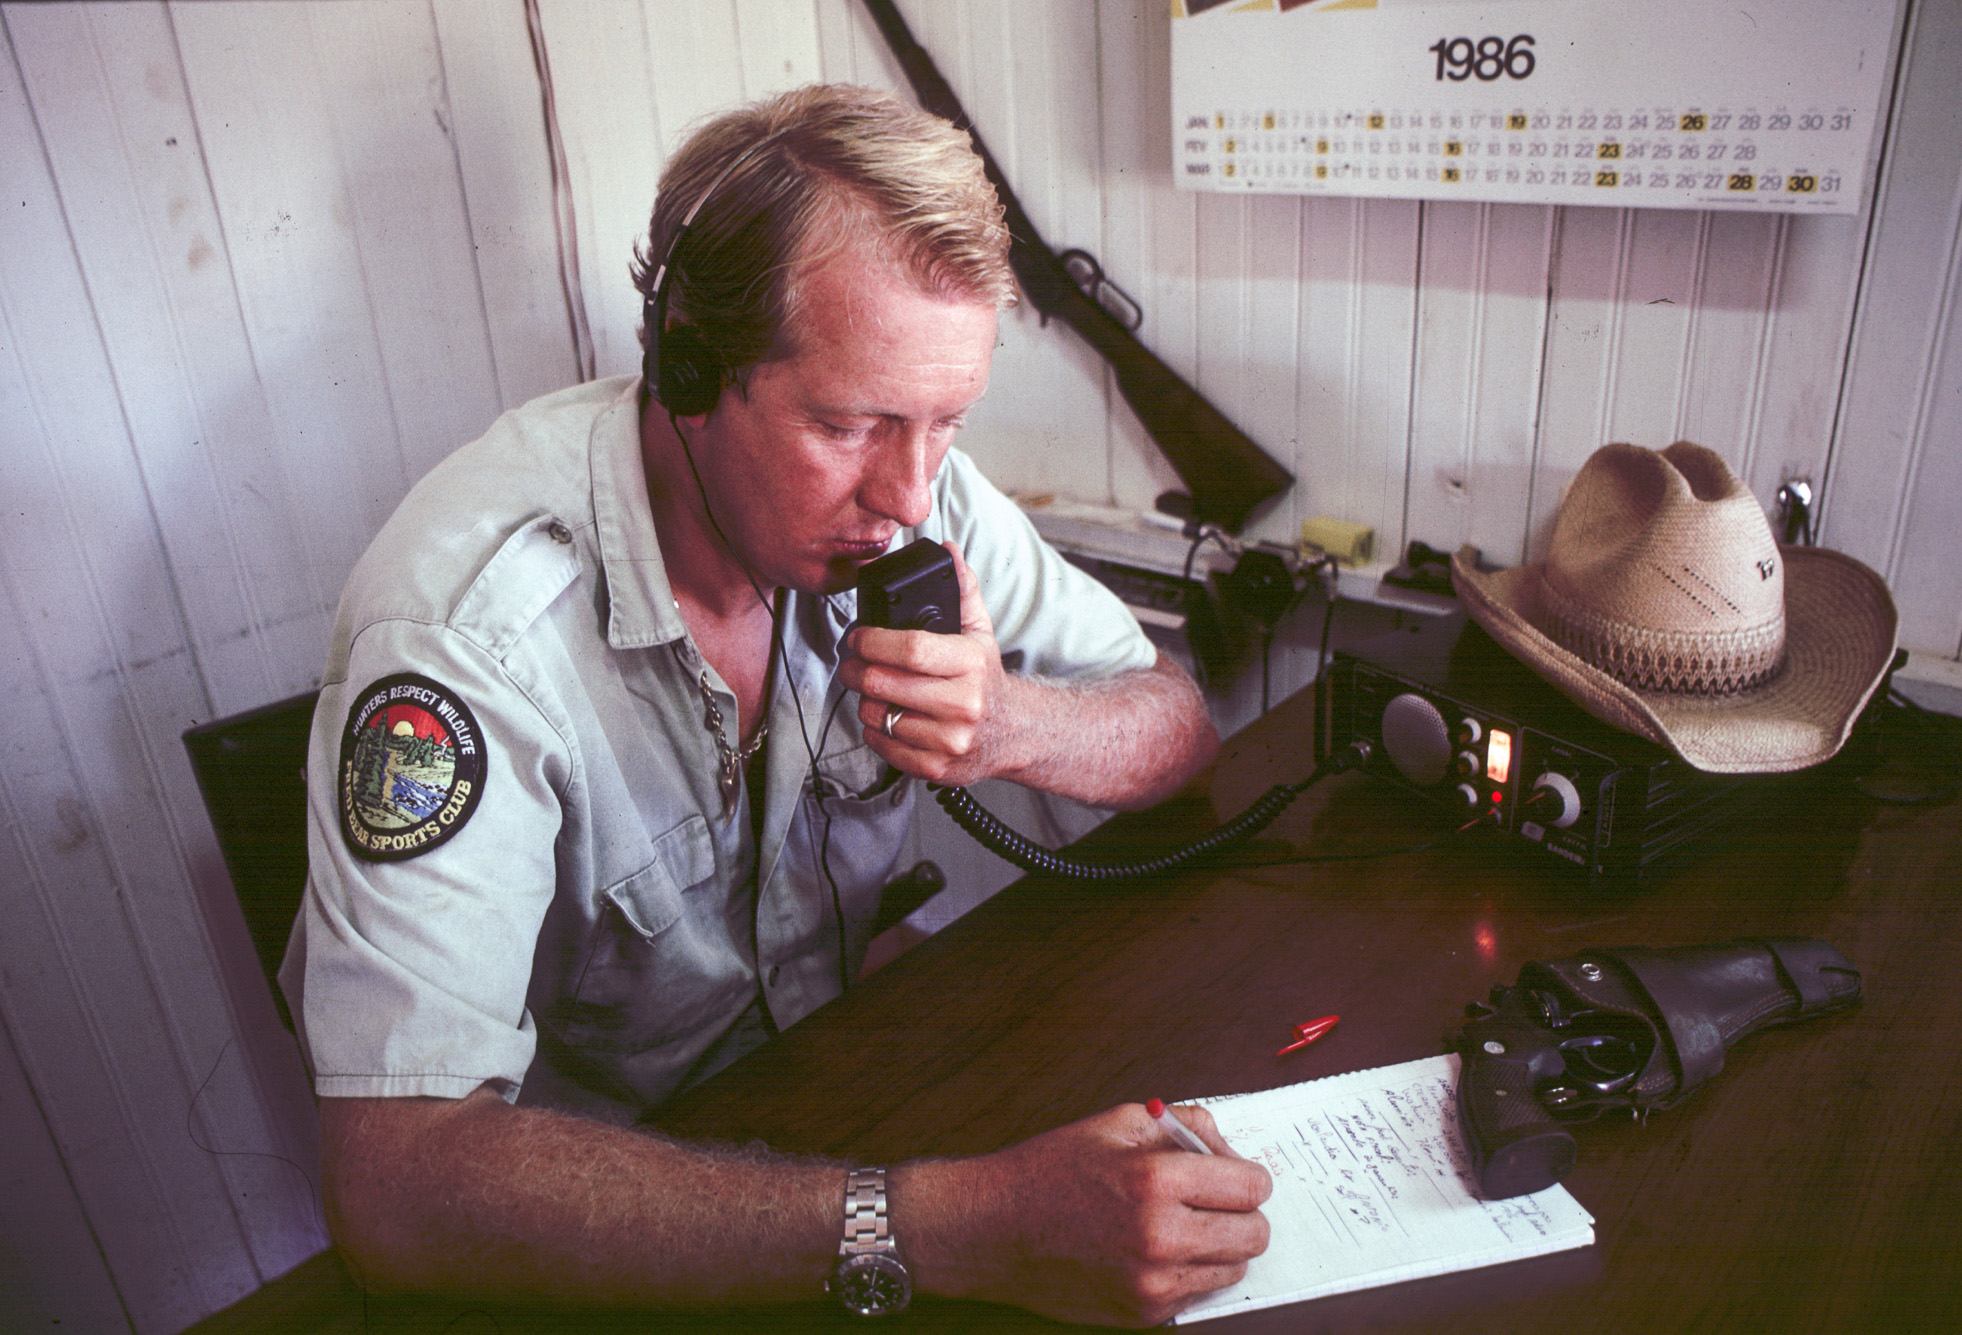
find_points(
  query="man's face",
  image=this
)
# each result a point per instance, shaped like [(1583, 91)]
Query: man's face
[(832, 450)]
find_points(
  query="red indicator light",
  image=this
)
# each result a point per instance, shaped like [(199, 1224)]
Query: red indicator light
[(1498, 756)]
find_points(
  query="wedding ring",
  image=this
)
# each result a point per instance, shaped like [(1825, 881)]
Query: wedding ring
[(892, 716)]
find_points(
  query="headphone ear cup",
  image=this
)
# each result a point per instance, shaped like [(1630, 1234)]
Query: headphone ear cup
[(688, 378)]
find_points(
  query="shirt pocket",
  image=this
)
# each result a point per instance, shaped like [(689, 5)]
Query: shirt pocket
[(868, 809), (856, 775), (650, 899), (663, 970)]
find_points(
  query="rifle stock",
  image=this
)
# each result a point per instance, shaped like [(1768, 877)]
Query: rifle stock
[(1226, 472)]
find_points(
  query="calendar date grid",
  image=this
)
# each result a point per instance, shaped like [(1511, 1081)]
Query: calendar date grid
[(1748, 151)]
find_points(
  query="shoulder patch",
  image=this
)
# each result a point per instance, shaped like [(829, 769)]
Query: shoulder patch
[(412, 768)]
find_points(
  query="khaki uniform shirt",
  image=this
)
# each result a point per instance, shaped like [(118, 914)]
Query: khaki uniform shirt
[(523, 871)]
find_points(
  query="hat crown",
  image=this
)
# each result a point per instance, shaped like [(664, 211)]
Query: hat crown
[(1663, 573)]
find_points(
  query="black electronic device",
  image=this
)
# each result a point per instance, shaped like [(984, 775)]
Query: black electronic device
[(1459, 723), (914, 588)]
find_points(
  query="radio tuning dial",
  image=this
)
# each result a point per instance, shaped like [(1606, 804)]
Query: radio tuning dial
[(1560, 788)]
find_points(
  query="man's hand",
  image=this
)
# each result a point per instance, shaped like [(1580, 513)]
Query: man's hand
[(1100, 1221), (947, 687), (1126, 740)]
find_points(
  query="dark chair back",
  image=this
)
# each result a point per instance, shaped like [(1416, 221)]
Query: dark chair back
[(251, 768)]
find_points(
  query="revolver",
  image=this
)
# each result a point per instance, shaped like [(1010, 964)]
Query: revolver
[(1628, 1027)]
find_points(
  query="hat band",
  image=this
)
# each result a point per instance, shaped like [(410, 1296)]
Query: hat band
[(1706, 663)]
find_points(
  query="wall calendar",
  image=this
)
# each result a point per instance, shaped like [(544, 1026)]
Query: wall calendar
[(1758, 104)]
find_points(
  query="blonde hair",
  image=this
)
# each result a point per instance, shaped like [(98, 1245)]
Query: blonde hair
[(809, 172)]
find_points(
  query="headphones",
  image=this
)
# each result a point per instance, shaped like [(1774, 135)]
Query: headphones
[(681, 370)]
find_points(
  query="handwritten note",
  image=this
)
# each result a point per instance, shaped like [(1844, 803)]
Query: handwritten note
[(1373, 1185)]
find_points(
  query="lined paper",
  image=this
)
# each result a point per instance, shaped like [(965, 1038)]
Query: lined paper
[(1373, 1185)]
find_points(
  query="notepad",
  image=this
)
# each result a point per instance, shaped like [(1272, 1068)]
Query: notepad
[(1373, 1185)]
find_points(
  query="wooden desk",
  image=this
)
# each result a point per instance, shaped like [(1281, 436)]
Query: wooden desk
[(1816, 1183)]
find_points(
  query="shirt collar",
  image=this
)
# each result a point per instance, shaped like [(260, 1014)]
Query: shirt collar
[(641, 601)]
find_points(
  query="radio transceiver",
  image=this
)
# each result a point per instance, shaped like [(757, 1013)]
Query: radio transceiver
[(1462, 724)]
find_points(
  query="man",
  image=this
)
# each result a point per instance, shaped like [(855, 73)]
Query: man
[(591, 816)]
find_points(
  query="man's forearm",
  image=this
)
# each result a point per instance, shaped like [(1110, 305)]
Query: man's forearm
[(1126, 741), (1100, 1220), (474, 1196)]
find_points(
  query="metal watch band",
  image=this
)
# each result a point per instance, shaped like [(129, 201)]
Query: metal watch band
[(866, 1225)]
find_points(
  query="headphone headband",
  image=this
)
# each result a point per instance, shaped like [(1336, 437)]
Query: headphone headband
[(679, 367)]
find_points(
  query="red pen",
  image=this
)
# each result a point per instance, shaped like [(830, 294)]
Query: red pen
[(1177, 1130), (1304, 1034)]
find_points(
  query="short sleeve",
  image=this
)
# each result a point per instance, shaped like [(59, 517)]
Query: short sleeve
[(433, 784), (1064, 622)]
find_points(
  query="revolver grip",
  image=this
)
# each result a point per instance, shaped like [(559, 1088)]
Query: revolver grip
[(1516, 1147)]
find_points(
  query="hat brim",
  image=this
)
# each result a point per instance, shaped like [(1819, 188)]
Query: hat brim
[(1840, 628)]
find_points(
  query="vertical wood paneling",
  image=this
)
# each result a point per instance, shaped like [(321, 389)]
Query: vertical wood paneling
[(848, 50), (1045, 423), (339, 193), (122, 140), (694, 63), (122, 148), (100, 912), (382, 85), (1894, 496), (1222, 329), (1586, 286), (631, 80), (1265, 385), (778, 44), (498, 126), (1358, 323), (1660, 261), (1728, 328), (1481, 321), (51, 1272), (1146, 244), (615, 144), (1925, 569), (1813, 287)]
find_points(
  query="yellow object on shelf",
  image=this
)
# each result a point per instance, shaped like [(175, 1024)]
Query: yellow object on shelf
[(1350, 543)]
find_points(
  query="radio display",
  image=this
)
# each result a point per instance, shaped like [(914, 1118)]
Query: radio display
[(1498, 756)]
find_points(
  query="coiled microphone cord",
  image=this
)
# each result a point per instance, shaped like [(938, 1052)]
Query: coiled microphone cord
[(971, 816)]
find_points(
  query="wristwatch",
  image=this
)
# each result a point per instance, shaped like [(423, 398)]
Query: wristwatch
[(870, 1279)]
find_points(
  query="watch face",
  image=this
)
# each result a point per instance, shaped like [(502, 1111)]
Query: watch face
[(873, 1285)]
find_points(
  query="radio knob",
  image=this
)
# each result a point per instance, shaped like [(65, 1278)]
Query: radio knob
[(1469, 731), (1416, 738), (1468, 797), (1466, 764), (1551, 788)]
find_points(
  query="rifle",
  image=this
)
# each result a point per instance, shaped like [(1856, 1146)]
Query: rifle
[(1226, 472)]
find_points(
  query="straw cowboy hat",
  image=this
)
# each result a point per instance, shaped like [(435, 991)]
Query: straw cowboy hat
[(1664, 607)]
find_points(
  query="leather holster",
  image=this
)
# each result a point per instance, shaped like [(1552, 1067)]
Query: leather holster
[(1693, 1002)]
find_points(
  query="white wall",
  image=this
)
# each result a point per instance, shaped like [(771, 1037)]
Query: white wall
[(262, 263)]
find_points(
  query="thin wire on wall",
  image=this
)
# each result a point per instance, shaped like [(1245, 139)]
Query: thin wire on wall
[(563, 221)]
